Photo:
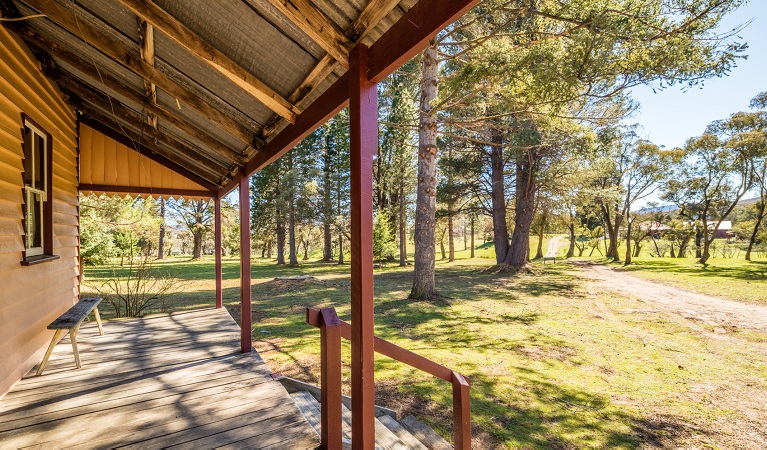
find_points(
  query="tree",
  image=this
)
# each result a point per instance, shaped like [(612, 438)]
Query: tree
[(384, 247), (426, 197), (568, 60), (197, 215), (711, 180)]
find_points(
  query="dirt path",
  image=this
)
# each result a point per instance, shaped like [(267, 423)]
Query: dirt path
[(726, 314)]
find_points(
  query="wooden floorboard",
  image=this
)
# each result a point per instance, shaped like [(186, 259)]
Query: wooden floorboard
[(159, 381)]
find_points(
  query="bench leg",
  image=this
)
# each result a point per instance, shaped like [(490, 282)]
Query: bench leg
[(48, 352), (73, 338), (98, 320)]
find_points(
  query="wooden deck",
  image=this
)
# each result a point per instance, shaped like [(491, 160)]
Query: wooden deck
[(160, 381)]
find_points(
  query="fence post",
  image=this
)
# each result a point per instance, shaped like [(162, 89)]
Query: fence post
[(330, 349), (461, 412)]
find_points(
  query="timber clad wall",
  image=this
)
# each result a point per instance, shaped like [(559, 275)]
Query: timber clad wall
[(31, 297)]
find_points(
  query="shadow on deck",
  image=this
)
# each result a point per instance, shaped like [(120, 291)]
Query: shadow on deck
[(154, 382)]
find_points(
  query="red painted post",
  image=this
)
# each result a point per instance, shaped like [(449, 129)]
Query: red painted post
[(246, 336), (363, 111), (330, 349), (219, 278), (461, 412)]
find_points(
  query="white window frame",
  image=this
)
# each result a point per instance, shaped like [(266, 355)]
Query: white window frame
[(30, 191)]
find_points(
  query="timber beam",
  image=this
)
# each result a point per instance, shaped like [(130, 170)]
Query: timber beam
[(143, 190), (151, 150), (118, 53), (317, 26), (83, 98), (146, 39), (84, 91), (185, 37)]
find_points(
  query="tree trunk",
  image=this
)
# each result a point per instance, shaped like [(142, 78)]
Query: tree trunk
[(327, 242), (759, 218), (472, 235), (571, 249), (426, 199), (340, 248), (306, 248), (706, 254), (442, 244), (327, 207), (402, 228), (682, 253), (541, 233), (197, 248), (629, 225), (269, 249), (161, 240), (525, 210), (293, 258), (450, 243), (498, 197), (280, 229)]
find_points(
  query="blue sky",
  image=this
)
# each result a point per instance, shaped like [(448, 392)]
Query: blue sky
[(671, 116)]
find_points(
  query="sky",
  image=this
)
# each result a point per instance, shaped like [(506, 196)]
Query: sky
[(671, 116)]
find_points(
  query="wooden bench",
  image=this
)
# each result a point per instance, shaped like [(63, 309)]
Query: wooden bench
[(549, 258), (71, 321)]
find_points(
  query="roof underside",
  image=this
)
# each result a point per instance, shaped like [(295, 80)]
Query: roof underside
[(216, 135), (217, 89)]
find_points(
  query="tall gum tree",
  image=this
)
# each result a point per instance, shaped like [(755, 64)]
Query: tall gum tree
[(426, 195)]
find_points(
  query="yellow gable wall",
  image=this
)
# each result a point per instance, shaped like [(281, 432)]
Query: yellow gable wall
[(31, 297)]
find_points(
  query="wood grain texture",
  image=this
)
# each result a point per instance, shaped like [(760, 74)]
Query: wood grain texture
[(33, 296), (188, 39), (363, 132), (204, 395)]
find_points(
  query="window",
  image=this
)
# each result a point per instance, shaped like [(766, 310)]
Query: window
[(38, 233)]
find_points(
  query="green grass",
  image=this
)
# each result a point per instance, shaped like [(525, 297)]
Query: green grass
[(551, 364)]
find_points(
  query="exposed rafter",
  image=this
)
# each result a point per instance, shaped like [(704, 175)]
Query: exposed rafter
[(317, 26), (373, 13), (115, 51), (146, 40), (85, 92), (191, 41)]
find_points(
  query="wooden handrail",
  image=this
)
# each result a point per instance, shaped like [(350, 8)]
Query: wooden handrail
[(327, 317)]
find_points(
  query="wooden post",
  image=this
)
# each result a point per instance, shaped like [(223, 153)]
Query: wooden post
[(219, 278), (246, 333), (461, 412), (363, 111), (330, 349)]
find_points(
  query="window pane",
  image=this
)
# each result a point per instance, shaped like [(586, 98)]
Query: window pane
[(34, 220), (39, 162), (29, 156)]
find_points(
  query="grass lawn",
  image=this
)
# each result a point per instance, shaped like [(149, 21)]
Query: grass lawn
[(551, 363)]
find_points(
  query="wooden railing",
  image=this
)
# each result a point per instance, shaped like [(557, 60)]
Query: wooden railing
[(332, 329)]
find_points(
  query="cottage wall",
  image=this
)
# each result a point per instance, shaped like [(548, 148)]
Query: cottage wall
[(32, 296)]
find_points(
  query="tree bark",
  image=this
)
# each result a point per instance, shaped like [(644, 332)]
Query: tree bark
[(472, 234), (498, 198), (280, 230), (682, 253), (759, 217), (450, 243), (340, 248), (525, 209), (293, 258), (426, 199), (327, 206), (161, 240), (402, 228), (571, 249)]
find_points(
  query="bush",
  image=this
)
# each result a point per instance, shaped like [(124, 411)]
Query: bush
[(140, 288), (384, 247)]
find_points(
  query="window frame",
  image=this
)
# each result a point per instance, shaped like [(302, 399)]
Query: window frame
[(44, 252)]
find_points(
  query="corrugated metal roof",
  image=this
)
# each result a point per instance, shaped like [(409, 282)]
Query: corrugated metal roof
[(252, 33)]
